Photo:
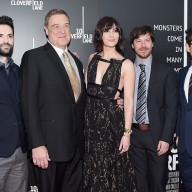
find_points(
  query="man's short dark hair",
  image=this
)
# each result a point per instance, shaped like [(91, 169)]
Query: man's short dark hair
[(188, 38), (5, 20), (141, 30)]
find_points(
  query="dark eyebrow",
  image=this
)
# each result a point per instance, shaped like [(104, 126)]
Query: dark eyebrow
[(54, 25), (7, 34), (58, 24)]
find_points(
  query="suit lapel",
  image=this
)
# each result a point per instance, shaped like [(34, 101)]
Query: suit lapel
[(17, 82), (154, 71), (4, 83), (183, 96)]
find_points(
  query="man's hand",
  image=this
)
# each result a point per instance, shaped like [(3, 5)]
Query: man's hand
[(162, 147), (40, 157), (120, 102)]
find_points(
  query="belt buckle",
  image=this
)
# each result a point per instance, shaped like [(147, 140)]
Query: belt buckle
[(144, 127)]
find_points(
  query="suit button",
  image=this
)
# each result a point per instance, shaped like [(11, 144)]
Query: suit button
[(52, 121)]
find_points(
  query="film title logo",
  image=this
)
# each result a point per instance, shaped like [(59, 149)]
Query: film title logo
[(35, 4), (86, 38)]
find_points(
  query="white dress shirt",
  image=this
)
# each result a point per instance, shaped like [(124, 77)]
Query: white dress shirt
[(186, 83), (60, 53)]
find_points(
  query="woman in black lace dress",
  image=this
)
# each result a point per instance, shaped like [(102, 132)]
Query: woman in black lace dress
[(107, 167)]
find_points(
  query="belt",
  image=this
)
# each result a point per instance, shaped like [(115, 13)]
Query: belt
[(141, 127)]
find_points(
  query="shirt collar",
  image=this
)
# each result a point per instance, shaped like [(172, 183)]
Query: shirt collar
[(58, 50), (147, 62), (9, 63)]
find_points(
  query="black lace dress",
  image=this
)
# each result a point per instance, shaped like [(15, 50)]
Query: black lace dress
[(105, 170)]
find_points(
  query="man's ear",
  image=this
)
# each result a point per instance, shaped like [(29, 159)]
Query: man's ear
[(46, 31), (187, 47)]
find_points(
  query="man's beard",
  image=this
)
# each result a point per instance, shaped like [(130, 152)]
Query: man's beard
[(143, 56), (6, 53)]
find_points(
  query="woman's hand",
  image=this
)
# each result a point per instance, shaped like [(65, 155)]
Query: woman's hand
[(125, 143)]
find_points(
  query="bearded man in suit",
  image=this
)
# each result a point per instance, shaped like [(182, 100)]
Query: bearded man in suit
[(13, 146), (155, 112)]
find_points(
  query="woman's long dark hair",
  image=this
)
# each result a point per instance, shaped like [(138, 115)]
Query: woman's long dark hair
[(104, 24)]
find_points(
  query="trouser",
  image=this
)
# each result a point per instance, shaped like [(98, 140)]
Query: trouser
[(14, 172), (60, 176), (151, 170), (185, 167)]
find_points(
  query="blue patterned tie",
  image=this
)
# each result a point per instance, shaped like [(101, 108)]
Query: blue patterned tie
[(190, 89), (141, 96)]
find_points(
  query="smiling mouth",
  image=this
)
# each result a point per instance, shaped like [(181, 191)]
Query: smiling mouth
[(6, 48), (144, 49), (5, 45)]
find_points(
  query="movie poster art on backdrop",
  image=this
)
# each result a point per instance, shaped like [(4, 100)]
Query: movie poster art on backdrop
[(168, 27), (28, 16), (174, 181)]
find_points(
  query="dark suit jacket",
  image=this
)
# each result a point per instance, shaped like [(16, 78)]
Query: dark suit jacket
[(162, 101), (184, 119), (51, 115), (11, 126)]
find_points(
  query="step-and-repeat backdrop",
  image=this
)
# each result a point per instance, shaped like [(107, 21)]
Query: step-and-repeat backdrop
[(166, 18)]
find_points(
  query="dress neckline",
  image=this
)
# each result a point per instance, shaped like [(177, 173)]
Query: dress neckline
[(107, 60)]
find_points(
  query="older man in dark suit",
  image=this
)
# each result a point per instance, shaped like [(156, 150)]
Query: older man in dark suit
[(53, 98), (154, 113)]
